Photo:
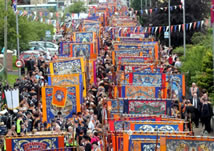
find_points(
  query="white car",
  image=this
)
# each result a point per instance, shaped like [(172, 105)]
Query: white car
[(51, 47)]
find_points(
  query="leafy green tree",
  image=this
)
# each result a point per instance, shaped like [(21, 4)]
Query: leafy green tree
[(77, 7), (205, 78), (196, 10), (28, 30), (198, 63)]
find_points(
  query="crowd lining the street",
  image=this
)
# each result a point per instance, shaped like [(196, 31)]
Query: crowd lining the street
[(85, 129)]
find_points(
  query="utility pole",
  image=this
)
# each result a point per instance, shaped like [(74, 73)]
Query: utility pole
[(141, 5), (5, 38), (146, 4), (17, 33), (184, 28), (169, 19)]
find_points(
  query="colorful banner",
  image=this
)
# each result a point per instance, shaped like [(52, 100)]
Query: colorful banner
[(65, 49), (129, 39), (59, 97), (129, 137), (82, 50), (92, 71), (69, 79), (142, 69), (147, 53), (157, 126), (68, 66), (85, 37), (140, 92), (177, 84), (145, 145), (134, 59), (63, 80), (72, 103), (34, 143), (147, 107), (187, 143), (91, 28)]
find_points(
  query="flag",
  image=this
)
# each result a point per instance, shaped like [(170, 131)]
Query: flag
[(12, 98), (212, 12), (2, 101), (59, 96)]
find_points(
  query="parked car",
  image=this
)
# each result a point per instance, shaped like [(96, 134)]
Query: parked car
[(51, 47), (39, 48), (25, 55)]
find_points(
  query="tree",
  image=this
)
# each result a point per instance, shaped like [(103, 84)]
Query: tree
[(28, 30), (196, 10), (77, 7), (198, 63), (205, 77)]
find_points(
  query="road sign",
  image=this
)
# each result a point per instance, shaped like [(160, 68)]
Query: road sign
[(19, 64), (48, 33), (166, 35)]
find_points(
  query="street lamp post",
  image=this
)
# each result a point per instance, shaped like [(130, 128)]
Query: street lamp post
[(169, 19), (5, 38), (141, 5), (184, 26)]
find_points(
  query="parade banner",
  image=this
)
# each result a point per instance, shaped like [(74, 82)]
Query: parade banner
[(127, 39), (91, 28), (68, 79), (130, 136), (142, 69), (134, 59), (72, 103), (60, 96), (140, 106), (153, 45), (65, 49), (150, 80), (187, 143), (177, 84), (140, 92), (146, 53), (34, 143), (92, 71), (82, 50), (161, 126), (85, 37), (145, 145), (148, 106), (66, 66)]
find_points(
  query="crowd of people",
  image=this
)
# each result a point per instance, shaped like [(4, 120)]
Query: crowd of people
[(87, 128), (196, 107)]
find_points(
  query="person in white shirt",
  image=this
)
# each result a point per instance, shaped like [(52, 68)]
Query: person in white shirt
[(91, 125), (178, 63)]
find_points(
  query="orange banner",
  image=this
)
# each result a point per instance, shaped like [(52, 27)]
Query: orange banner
[(59, 96)]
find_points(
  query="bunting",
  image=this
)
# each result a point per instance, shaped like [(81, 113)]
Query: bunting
[(151, 10), (154, 29)]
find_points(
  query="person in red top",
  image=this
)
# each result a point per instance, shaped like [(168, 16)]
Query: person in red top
[(170, 60)]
